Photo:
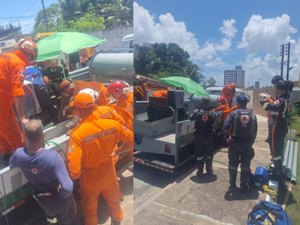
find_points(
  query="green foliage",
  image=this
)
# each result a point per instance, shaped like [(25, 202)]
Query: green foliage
[(85, 15), (162, 60), (53, 13), (87, 23), (211, 82)]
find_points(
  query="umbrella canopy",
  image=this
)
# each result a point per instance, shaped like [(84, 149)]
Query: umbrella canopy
[(186, 83), (67, 42)]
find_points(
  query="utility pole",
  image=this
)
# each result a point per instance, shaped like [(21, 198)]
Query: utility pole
[(45, 16), (288, 61), (282, 60)]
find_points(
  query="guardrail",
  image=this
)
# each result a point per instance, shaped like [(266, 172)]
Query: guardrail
[(290, 161), (81, 74)]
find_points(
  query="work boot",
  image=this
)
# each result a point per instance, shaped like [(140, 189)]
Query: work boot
[(115, 222), (232, 179), (200, 166), (244, 188), (245, 174), (209, 162)]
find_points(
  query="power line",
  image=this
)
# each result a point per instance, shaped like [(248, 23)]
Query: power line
[(30, 8), (15, 17)]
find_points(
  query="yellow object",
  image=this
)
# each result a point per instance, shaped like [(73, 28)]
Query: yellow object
[(269, 191)]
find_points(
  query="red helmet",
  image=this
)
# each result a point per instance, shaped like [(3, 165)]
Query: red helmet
[(28, 48), (118, 88)]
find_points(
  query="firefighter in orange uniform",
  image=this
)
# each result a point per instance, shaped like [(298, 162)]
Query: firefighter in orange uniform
[(12, 65), (91, 148), (124, 101), (70, 88), (104, 111)]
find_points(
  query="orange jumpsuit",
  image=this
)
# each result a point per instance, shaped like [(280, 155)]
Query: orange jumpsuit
[(160, 93), (228, 92), (89, 159), (12, 65), (124, 107), (79, 85), (97, 86), (108, 112), (227, 111), (224, 107)]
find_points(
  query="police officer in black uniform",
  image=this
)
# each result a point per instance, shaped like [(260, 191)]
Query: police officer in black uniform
[(56, 74), (272, 115), (279, 108), (203, 136), (241, 125)]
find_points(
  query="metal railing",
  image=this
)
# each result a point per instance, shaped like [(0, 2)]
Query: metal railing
[(290, 160)]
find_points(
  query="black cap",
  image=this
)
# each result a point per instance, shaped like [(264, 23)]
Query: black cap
[(242, 99), (275, 79), (281, 85)]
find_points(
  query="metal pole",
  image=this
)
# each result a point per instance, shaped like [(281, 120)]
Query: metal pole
[(288, 61), (282, 59), (45, 16)]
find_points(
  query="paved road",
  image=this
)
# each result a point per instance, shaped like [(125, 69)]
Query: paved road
[(182, 198)]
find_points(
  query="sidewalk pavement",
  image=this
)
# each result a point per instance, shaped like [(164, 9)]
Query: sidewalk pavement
[(191, 200)]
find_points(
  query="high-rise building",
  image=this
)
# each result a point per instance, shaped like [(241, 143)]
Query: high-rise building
[(256, 84), (236, 76)]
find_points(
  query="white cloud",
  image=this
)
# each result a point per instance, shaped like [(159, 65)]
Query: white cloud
[(261, 40), (167, 30), (228, 28), (263, 34)]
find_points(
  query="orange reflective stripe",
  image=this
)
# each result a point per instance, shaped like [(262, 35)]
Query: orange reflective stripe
[(99, 134)]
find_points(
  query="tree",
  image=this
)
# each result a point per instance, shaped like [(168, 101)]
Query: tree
[(85, 15), (53, 13), (145, 60), (211, 82), (193, 71), (117, 12), (87, 23), (161, 60)]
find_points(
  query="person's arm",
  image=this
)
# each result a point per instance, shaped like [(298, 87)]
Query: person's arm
[(13, 161), (276, 106), (193, 115), (17, 80), (227, 124), (126, 136), (254, 130), (65, 187), (19, 103), (74, 157)]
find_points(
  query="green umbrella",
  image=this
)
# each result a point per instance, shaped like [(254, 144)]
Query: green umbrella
[(186, 83), (67, 42)]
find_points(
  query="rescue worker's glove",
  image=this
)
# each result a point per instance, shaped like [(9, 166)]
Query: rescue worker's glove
[(47, 81)]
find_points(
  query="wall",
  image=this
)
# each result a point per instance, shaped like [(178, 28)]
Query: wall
[(113, 37)]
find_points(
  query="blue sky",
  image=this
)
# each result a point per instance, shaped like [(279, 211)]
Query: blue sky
[(23, 12), (222, 34)]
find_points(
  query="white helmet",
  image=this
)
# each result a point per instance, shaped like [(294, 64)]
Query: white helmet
[(91, 92)]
